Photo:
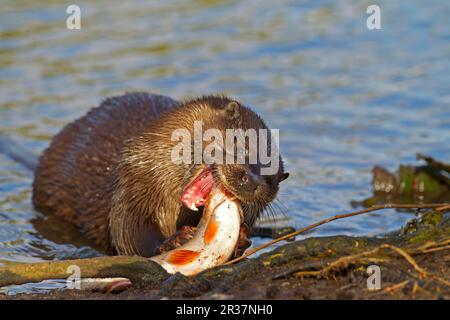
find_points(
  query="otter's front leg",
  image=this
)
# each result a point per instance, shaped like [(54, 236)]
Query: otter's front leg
[(180, 237), (243, 242)]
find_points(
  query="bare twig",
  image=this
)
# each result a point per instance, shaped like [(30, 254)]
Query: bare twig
[(249, 252), (436, 249), (443, 208), (422, 273), (344, 261), (396, 286)]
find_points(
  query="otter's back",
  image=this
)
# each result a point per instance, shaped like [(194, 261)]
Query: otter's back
[(74, 177)]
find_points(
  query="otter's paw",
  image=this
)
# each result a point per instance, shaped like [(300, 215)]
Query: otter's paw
[(243, 242), (183, 235)]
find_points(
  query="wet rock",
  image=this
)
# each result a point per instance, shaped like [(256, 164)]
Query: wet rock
[(426, 183)]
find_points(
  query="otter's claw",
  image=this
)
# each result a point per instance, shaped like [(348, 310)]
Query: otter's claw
[(183, 235)]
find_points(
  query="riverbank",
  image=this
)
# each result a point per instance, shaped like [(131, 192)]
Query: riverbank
[(413, 264)]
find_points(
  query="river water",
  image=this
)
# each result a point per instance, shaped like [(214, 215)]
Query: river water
[(345, 98)]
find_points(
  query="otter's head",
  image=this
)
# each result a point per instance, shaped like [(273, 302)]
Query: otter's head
[(238, 154)]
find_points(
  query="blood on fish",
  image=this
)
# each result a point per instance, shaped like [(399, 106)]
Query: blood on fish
[(181, 257), (211, 230)]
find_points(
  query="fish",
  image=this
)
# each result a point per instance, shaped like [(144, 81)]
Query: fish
[(214, 240), (105, 285)]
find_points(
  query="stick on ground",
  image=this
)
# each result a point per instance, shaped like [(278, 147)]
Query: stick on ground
[(437, 206)]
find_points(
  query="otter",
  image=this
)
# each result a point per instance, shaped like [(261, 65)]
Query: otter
[(111, 174)]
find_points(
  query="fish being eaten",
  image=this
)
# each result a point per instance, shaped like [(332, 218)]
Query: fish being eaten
[(214, 241)]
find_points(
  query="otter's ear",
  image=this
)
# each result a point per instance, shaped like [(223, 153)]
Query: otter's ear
[(283, 177), (232, 110)]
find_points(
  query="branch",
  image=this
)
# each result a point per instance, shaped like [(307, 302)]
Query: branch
[(438, 206), (132, 267)]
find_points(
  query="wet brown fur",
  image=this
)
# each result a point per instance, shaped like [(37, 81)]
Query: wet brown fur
[(110, 172)]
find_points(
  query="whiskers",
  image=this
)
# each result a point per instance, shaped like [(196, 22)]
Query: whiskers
[(275, 211)]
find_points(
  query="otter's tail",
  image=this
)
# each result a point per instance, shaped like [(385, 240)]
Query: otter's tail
[(12, 149)]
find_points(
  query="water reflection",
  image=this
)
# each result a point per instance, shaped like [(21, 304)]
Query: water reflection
[(344, 98)]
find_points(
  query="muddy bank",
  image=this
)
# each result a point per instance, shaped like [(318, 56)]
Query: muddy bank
[(413, 264)]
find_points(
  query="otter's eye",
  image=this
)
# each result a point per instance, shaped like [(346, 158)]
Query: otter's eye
[(249, 181)]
